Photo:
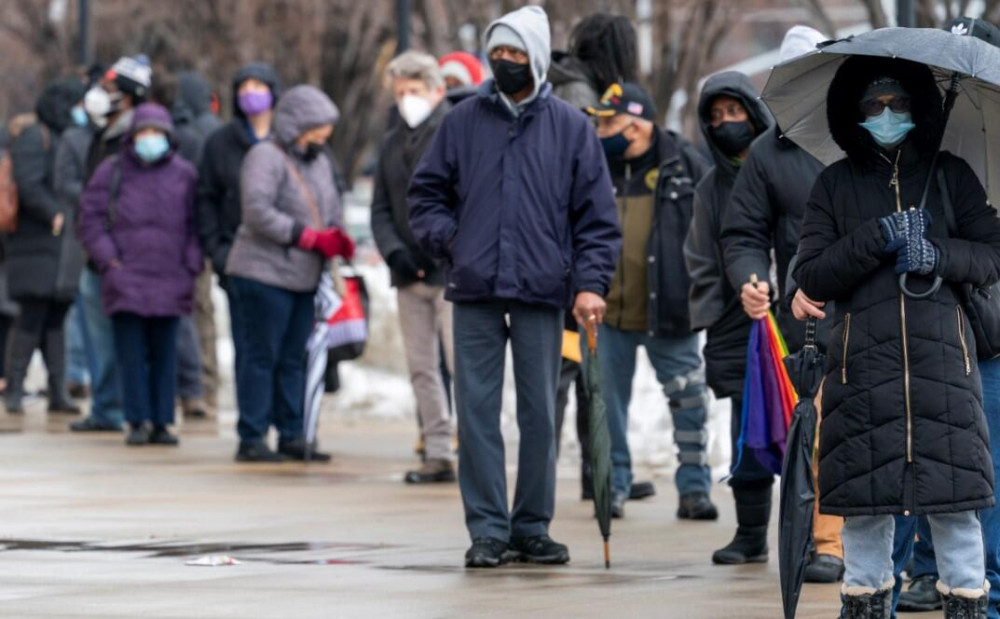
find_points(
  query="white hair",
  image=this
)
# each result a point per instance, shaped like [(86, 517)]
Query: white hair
[(413, 65)]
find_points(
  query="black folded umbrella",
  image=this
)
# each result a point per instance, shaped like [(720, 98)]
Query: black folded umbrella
[(599, 439), (798, 495)]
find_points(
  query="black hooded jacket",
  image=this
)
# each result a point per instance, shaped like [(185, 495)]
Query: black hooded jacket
[(714, 302), (903, 427), (35, 257), (217, 203), (192, 115)]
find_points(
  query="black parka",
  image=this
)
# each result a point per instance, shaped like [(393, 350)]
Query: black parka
[(903, 430), (714, 302)]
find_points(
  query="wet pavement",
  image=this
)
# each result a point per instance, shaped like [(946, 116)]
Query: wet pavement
[(93, 529)]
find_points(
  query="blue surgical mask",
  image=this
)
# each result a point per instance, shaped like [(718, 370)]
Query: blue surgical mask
[(615, 145), (889, 128), (152, 148), (80, 118)]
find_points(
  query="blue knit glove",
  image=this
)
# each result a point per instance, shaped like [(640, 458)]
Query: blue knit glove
[(906, 236)]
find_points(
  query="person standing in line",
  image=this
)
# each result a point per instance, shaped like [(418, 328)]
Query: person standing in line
[(514, 194), (425, 317), (732, 116), (43, 260), (111, 105), (290, 228), (137, 224)]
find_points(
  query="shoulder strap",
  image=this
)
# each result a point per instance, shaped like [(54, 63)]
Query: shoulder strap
[(949, 210), (113, 192), (307, 193)]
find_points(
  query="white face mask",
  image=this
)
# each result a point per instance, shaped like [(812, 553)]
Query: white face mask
[(414, 110), (97, 104)]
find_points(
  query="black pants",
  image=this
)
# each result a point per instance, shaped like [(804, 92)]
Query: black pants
[(40, 320)]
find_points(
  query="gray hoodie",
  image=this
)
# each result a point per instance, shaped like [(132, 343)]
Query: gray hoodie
[(274, 204), (532, 25)]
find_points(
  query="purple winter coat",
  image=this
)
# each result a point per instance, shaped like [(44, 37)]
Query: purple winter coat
[(153, 231)]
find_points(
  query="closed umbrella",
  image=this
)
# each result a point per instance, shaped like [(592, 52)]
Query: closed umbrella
[(798, 494), (599, 441), (326, 303)]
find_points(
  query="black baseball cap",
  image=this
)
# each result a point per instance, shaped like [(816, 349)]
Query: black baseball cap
[(626, 98)]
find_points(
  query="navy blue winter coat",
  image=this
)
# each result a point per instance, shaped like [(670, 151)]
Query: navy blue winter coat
[(520, 208)]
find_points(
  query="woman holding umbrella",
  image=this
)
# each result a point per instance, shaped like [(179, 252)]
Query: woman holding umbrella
[(903, 425)]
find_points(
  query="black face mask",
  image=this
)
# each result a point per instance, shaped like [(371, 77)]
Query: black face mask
[(313, 150), (511, 77), (733, 138)]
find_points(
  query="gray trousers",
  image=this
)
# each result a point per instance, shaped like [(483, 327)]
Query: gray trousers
[(425, 319), (482, 331)]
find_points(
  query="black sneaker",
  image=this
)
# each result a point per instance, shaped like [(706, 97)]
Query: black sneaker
[(697, 506), (138, 435), (487, 552), (432, 472), (296, 450), (642, 490), (93, 424), (162, 436), (257, 452), (825, 569), (540, 549), (921, 596)]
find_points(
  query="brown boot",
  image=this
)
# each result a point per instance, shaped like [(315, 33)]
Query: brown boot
[(432, 471)]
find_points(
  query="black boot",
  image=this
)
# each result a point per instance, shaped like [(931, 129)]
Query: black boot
[(20, 347), (963, 606), (867, 605), (753, 511), (54, 353)]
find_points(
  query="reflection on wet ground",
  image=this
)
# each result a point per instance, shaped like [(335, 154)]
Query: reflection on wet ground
[(246, 552)]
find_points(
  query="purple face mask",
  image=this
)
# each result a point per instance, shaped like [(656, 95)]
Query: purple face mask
[(253, 103)]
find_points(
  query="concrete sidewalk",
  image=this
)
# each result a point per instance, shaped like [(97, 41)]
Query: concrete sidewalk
[(93, 529)]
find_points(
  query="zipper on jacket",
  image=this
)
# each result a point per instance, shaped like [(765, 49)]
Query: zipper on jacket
[(625, 188), (961, 339), (894, 183), (844, 340)]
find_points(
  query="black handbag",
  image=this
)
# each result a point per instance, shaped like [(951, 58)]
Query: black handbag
[(981, 304)]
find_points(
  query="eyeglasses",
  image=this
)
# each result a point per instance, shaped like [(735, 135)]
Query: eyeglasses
[(874, 107)]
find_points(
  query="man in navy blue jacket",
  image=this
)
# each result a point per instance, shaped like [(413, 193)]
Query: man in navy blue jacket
[(514, 194)]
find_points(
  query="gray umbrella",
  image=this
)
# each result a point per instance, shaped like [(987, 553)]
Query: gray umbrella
[(796, 92)]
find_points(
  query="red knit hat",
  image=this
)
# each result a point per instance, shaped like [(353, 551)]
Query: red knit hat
[(462, 66)]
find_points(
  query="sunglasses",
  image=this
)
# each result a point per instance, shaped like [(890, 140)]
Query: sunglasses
[(874, 107)]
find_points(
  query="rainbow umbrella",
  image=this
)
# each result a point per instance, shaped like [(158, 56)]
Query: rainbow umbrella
[(768, 397)]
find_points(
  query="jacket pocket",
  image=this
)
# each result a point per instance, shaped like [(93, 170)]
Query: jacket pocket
[(845, 340), (962, 341)]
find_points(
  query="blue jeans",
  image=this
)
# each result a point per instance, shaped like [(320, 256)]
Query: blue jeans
[(79, 358), (106, 387), (481, 333), (147, 350), (868, 546), (679, 370), (923, 554), (274, 327), (189, 371)]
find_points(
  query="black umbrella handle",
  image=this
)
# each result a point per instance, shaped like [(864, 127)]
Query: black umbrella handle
[(919, 295)]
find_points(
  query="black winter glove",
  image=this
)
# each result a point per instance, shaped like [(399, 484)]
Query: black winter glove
[(406, 264)]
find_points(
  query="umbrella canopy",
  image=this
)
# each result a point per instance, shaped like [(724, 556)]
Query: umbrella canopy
[(768, 397), (326, 304), (599, 441), (796, 92), (797, 491)]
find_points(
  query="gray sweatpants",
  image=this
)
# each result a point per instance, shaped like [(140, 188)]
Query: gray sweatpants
[(425, 319), (482, 331)]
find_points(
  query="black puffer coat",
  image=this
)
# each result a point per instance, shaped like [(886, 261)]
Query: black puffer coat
[(715, 304), (903, 427)]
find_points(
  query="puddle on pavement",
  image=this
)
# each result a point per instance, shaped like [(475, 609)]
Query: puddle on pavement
[(551, 575), (244, 552)]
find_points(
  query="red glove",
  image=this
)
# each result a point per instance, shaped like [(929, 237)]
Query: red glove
[(307, 240), (333, 242)]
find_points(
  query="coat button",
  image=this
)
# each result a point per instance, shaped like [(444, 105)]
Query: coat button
[(673, 195), (651, 333), (652, 295), (652, 259), (906, 512)]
